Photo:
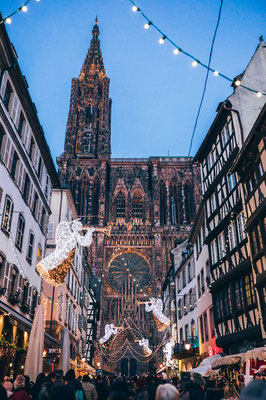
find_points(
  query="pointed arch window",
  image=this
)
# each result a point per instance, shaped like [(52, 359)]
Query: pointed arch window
[(189, 203), (95, 202), (137, 205), (163, 203), (120, 205), (175, 202)]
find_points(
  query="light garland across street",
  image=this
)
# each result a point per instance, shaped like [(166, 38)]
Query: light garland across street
[(178, 50), (22, 8)]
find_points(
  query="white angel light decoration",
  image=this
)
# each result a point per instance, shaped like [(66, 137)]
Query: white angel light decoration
[(156, 306), (109, 331), (54, 267), (145, 344)]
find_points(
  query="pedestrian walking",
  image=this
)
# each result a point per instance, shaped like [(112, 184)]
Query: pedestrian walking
[(9, 388), (89, 388), (167, 392), (255, 390), (64, 392), (141, 391), (19, 390), (3, 393)]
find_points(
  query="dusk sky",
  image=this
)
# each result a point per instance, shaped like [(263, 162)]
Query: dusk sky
[(155, 94)]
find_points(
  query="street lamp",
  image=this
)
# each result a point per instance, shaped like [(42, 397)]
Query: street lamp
[(187, 346)]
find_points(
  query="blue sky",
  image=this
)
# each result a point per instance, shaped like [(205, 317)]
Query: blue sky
[(155, 93)]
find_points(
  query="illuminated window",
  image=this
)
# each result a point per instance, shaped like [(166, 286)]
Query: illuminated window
[(249, 289), (7, 215), (39, 253)]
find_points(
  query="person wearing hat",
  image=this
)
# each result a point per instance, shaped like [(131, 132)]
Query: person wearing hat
[(194, 389), (19, 392)]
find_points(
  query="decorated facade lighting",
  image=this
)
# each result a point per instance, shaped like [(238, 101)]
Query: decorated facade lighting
[(191, 56), (147, 25)]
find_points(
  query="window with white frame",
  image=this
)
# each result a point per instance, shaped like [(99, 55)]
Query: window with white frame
[(213, 203), (214, 258), (225, 134), (221, 245), (231, 179), (241, 227)]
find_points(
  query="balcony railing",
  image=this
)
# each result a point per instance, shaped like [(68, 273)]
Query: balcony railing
[(187, 348)]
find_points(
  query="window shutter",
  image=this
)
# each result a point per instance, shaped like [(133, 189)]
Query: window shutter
[(26, 136), (7, 280), (7, 153), (36, 157), (31, 195), (20, 285), (50, 231), (3, 88), (14, 108)]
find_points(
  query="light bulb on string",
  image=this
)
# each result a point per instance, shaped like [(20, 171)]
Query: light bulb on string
[(216, 73), (147, 25), (259, 94), (135, 8), (8, 21), (237, 82), (162, 39), (176, 51), (24, 8), (194, 63)]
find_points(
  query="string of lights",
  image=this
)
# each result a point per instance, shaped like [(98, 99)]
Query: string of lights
[(22, 8), (178, 50)]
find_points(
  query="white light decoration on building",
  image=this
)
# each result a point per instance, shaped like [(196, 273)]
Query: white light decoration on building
[(54, 267), (168, 352), (145, 344), (109, 330), (156, 306)]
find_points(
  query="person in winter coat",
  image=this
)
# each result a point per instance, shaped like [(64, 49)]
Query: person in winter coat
[(141, 392), (212, 391), (3, 393), (89, 389), (194, 390), (167, 392), (9, 388), (20, 392)]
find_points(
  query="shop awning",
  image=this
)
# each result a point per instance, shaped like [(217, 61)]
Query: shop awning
[(227, 360)]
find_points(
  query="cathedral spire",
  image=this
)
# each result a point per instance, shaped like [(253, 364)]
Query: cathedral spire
[(94, 60)]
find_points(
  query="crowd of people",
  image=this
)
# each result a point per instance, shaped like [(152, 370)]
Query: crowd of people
[(51, 387)]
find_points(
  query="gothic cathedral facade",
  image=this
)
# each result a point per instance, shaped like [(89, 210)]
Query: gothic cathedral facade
[(150, 205)]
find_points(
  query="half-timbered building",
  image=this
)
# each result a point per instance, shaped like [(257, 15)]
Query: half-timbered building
[(250, 167), (232, 285)]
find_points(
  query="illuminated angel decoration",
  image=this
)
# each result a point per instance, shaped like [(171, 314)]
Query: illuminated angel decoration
[(156, 306), (145, 344), (109, 331), (54, 267)]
